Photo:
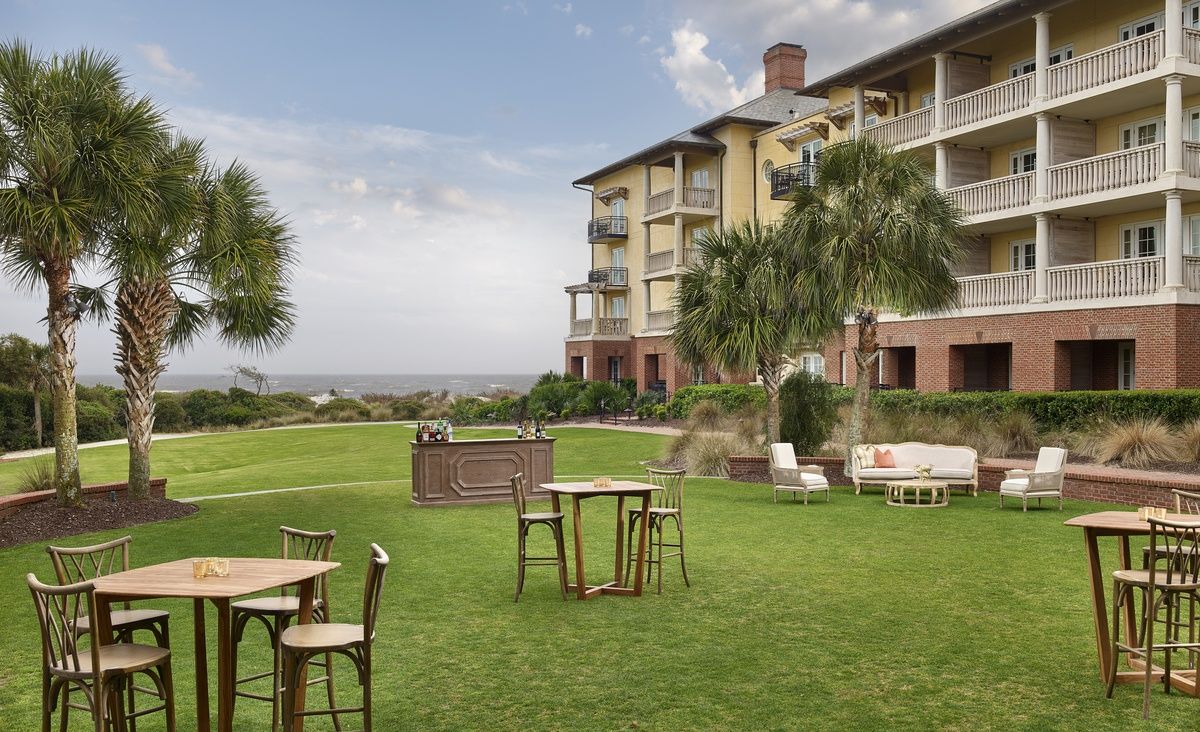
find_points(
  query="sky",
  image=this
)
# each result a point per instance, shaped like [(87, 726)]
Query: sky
[(424, 151)]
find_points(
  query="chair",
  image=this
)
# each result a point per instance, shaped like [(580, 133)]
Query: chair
[(670, 506), (299, 644), (66, 614), (277, 612), (789, 477), (524, 522), (1185, 503), (1044, 481), (1159, 589)]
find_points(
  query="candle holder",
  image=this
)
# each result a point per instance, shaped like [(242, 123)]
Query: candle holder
[(923, 471), (210, 567), (602, 482), (199, 568), (1147, 512)]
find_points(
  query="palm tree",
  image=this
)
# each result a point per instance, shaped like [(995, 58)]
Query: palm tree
[(741, 310), (873, 234), (222, 262), (71, 141), (26, 365)]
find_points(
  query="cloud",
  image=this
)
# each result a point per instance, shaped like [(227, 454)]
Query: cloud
[(168, 73), (626, 30), (564, 8), (507, 165), (701, 80), (582, 30), (356, 187), (519, 7), (643, 40)]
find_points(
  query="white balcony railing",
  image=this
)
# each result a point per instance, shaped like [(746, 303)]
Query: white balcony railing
[(997, 194), (660, 261), (660, 319), (1191, 159), (1191, 273), (1107, 65), (661, 201), (1106, 172), (613, 326), (1096, 280), (581, 327), (691, 255), (990, 101), (1191, 45), (699, 197), (1007, 288), (905, 128)]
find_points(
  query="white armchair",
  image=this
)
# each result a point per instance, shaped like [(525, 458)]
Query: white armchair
[(1044, 481), (789, 477)]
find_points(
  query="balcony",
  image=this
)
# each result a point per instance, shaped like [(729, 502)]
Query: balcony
[(991, 290), (904, 129), (1116, 62), (990, 101), (1112, 171), (662, 264), (660, 320), (608, 228), (1099, 280), (991, 196), (609, 278), (606, 327), (786, 178), (696, 203)]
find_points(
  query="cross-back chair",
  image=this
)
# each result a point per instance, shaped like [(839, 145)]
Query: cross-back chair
[(527, 520), (668, 505)]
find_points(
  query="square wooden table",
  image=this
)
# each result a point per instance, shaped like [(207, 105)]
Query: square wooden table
[(620, 489), (174, 579), (1121, 524)]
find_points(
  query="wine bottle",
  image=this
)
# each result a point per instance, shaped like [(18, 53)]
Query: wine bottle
[(520, 430), (418, 438)]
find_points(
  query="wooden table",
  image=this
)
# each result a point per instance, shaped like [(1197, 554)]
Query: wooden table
[(939, 493), (1121, 524), (620, 489), (174, 579)]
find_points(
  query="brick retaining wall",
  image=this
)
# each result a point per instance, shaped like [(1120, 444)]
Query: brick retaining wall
[(12, 503), (1082, 482)]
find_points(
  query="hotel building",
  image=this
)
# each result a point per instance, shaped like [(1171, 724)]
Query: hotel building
[(1069, 133)]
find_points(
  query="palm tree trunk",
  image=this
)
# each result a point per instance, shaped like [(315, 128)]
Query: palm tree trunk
[(864, 358), (35, 387), (62, 324), (770, 375), (143, 316)]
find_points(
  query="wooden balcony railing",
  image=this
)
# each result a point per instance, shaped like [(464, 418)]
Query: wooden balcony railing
[(997, 194), (1006, 288), (660, 319), (1106, 172), (1107, 65), (661, 201), (990, 101), (1096, 280), (660, 261), (608, 227), (905, 128)]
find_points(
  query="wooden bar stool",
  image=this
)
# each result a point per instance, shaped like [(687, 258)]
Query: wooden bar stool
[(66, 615), (670, 506), (299, 644), (524, 522), (277, 612)]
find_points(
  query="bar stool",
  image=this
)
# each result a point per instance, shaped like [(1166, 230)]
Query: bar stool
[(1159, 589), (670, 505), (299, 644), (66, 613), (524, 522), (276, 613)]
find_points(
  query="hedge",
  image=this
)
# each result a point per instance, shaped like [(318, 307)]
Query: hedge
[(729, 397), (807, 412)]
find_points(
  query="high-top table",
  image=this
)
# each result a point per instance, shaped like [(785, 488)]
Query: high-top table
[(620, 489), (1121, 524), (246, 577)]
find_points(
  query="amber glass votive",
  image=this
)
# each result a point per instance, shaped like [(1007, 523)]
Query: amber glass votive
[(199, 568), (221, 567)]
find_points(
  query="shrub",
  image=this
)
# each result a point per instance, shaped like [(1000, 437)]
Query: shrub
[(707, 453), (294, 401), (649, 398), (705, 416), (598, 395), (1013, 432), (729, 397), (1134, 443), (343, 410), (661, 412), (16, 419), (233, 414), (38, 475), (96, 422), (807, 411), (1189, 441), (565, 413), (205, 406), (555, 396), (169, 415), (406, 408)]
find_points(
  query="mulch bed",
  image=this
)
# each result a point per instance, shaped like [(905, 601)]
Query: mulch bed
[(45, 520)]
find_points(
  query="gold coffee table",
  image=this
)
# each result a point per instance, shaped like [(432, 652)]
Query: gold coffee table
[(897, 493)]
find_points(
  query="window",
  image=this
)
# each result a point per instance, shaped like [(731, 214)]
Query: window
[(810, 151), (1022, 161), (1193, 236), (698, 235), (767, 169), (618, 207), (1140, 240), (700, 178), (618, 260), (1141, 27), (1191, 122), (1062, 53), (1191, 15), (1023, 255), (1125, 365), (813, 363), (1145, 132), (1029, 65), (927, 100), (870, 120), (697, 375), (614, 369), (617, 308)]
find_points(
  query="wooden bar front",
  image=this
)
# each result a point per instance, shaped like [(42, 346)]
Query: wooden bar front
[(479, 471)]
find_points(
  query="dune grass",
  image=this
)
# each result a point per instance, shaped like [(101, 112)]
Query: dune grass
[(847, 615)]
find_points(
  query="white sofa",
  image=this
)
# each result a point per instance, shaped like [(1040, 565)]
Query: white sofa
[(954, 465)]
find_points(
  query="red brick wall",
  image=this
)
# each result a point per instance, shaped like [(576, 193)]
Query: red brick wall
[(11, 503), (597, 354), (784, 67)]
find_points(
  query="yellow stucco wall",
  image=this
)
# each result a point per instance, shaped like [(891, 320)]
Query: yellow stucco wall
[(1002, 246), (999, 156)]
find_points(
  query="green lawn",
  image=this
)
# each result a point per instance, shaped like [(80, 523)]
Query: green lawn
[(847, 615)]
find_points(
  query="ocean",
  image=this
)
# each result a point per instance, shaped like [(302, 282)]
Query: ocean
[(348, 385)]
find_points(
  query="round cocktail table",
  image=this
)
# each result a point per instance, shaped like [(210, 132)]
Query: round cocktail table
[(897, 493)]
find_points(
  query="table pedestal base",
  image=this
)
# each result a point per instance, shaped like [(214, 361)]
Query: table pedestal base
[(609, 588)]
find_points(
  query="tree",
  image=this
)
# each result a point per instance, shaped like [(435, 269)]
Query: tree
[(872, 234), (222, 261), (259, 378), (72, 140), (741, 311), (26, 365)]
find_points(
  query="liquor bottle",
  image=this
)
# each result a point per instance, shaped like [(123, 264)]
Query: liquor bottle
[(520, 430), (449, 431), (537, 429), (439, 435), (418, 433)]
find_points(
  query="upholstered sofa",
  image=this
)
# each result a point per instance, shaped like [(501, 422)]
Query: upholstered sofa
[(952, 464)]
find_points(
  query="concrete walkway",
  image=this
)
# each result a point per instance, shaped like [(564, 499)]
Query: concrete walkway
[(652, 429)]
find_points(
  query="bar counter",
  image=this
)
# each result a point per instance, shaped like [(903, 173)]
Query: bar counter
[(479, 471)]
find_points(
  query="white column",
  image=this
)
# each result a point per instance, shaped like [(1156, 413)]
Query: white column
[(1173, 233), (1174, 132), (941, 164), (1041, 74), (679, 179), (595, 312), (1041, 174), (678, 240), (1174, 23), (646, 247), (646, 193), (902, 103), (941, 87), (646, 310), (574, 312), (1042, 256), (860, 109)]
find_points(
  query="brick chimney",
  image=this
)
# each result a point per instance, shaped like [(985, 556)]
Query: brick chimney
[(784, 64)]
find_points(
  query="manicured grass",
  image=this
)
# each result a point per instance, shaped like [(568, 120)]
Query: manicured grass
[(233, 462), (847, 615)]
